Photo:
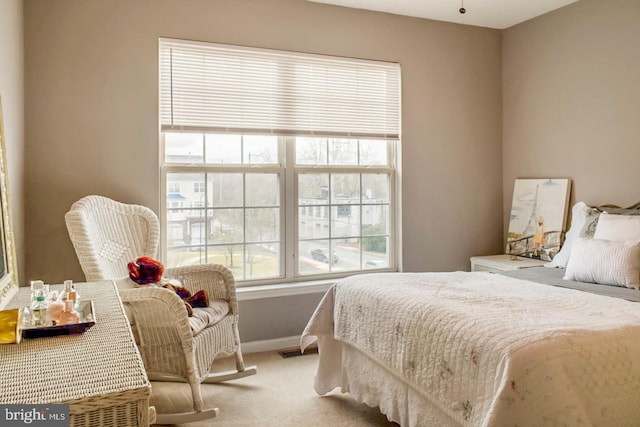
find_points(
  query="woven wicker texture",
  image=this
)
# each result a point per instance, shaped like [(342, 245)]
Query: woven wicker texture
[(107, 235), (169, 342), (99, 372)]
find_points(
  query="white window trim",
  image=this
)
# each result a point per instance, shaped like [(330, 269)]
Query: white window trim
[(277, 290)]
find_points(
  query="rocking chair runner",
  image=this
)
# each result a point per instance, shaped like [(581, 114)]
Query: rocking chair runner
[(107, 235)]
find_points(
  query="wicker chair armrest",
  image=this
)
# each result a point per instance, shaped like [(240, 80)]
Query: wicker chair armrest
[(216, 279), (159, 315)]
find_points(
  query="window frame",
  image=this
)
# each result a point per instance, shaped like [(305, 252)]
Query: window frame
[(389, 169), (169, 168), (289, 171)]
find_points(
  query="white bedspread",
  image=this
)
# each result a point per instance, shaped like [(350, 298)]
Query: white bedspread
[(489, 350)]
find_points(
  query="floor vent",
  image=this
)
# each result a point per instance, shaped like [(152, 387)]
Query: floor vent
[(297, 352)]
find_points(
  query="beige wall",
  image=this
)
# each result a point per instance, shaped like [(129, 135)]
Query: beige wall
[(12, 94), (555, 96), (571, 98), (92, 106), (92, 128)]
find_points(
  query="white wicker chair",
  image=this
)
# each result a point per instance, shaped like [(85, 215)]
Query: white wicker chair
[(107, 235)]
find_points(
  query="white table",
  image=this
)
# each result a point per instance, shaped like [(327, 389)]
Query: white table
[(99, 373), (502, 263)]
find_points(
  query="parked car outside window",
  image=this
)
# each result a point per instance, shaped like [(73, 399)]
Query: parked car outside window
[(376, 263), (323, 255)]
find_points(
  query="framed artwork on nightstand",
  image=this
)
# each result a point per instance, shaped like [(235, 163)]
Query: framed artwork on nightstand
[(538, 217)]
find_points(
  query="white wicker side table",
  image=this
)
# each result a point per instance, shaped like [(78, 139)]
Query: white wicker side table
[(502, 263), (99, 373)]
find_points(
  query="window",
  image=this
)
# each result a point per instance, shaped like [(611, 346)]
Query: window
[(348, 184), (173, 188), (234, 212), (198, 187), (290, 159)]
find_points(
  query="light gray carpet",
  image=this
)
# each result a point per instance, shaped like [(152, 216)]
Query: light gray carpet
[(281, 395)]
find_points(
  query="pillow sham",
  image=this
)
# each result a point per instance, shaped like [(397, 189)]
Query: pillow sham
[(579, 213), (590, 223), (618, 227), (605, 262)]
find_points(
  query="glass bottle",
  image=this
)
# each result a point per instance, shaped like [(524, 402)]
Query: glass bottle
[(39, 310), (66, 292), (73, 295), (56, 306), (26, 317), (68, 316), (36, 287)]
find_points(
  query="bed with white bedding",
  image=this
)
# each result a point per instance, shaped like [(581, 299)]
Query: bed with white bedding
[(534, 347), (481, 349)]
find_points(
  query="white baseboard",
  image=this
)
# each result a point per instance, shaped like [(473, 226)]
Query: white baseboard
[(271, 345)]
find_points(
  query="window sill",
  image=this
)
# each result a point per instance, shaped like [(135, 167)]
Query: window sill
[(282, 290)]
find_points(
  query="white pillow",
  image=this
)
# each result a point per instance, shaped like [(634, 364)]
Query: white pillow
[(618, 227), (579, 213), (605, 261)]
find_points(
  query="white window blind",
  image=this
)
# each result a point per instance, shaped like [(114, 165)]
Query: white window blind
[(221, 88)]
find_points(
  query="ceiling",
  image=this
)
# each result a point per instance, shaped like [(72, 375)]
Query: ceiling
[(498, 14)]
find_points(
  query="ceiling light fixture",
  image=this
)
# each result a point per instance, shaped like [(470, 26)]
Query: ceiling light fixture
[(462, 10)]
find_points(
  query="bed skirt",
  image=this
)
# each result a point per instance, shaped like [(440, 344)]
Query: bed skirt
[(342, 365)]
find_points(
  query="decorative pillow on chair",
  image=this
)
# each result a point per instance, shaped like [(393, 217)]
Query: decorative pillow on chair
[(605, 261), (618, 227), (145, 270), (148, 271)]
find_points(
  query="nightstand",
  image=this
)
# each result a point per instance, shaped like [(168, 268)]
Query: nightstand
[(503, 263)]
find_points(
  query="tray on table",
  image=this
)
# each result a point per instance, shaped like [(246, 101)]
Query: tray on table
[(87, 319)]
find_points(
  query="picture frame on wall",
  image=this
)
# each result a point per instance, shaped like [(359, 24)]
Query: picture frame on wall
[(538, 217)]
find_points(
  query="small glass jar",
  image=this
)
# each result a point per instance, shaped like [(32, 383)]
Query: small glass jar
[(68, 316), (39, 310)]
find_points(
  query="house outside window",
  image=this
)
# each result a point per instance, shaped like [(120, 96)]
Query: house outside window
[(274, 205)]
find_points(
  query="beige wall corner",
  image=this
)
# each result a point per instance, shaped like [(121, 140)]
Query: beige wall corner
[(571, 101)]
